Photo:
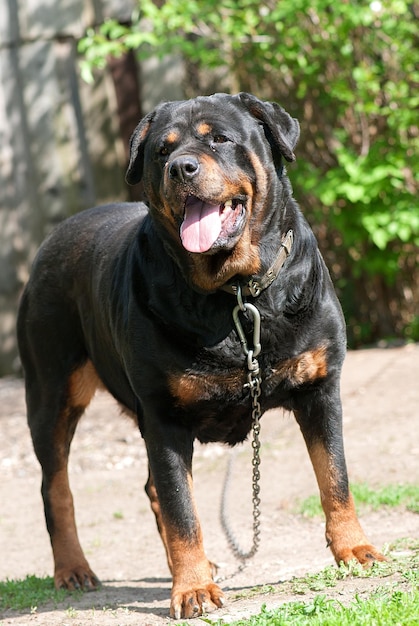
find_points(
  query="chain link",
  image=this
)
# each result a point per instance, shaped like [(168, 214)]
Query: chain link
[(254, 385), (238, 552)]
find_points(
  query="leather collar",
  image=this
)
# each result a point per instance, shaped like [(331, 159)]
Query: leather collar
[(256, 284)]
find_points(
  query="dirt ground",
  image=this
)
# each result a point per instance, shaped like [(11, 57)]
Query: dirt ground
[(117, 530)]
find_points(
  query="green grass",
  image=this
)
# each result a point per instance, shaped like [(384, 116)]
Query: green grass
[(394, 604), (368, 498), (29, 593), (406, 567), (393, 599), (383, 608)]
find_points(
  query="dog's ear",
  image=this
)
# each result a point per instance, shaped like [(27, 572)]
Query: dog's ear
[(284, 130), (136, 146)]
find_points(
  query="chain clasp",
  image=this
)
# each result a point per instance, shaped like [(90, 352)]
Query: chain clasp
[(247, 306)]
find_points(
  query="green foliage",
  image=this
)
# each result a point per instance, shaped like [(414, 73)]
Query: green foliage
[(386, 608), (394, 603), (367, 497), (390, 495), (28, 593), (349, 72), (330, 576), (389, 604)]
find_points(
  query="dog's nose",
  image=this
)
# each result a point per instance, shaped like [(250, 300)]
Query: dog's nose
[(183, 168)]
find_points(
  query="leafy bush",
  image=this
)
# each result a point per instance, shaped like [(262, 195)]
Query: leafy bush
[(349, 72)]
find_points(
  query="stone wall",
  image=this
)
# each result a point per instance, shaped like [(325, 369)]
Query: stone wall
[(60, 147)]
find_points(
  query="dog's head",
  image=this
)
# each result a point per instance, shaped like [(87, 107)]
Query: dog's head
[(210, 168)]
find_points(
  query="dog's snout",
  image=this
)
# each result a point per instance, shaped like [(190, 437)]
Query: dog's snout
[(184, 168)]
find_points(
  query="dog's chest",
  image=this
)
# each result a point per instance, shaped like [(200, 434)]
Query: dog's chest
[(217, 404)]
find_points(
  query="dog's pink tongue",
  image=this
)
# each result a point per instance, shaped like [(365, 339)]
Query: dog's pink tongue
[(201, 225)]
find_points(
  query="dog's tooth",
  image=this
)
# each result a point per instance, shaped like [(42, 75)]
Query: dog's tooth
[(228, 204)]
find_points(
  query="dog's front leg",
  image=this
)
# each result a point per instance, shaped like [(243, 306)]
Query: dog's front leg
[(320, 420), (170, 449)]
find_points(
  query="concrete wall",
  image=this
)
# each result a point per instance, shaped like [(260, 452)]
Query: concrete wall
[(60, 150)]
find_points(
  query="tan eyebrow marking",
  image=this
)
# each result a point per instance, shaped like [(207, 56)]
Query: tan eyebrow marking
[(172, 137), (204, 128)]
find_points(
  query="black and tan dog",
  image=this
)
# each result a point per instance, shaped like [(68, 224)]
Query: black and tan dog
[(139, 299)]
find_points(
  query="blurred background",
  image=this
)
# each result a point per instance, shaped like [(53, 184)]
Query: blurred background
[(76, 76)]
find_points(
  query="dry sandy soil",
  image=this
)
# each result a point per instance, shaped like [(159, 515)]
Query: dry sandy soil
[(117, 529)]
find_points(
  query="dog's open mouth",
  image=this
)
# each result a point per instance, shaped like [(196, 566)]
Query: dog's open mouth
[(205, 223)]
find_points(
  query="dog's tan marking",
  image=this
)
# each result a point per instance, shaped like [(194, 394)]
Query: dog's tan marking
[(82, 385), (309, 366), (172, 137), (260, 171), (260, 193), (203, 128), (304, 368), (194, 591), (189, 388), (71, 567), (344, 534), (213, 184), (144, 133), (209, 273), (155, 507)]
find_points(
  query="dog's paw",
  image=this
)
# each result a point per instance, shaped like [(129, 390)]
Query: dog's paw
[(364, 554), (187, 603), (76, 578)]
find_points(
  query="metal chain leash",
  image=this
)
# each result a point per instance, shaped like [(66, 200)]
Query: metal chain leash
[(254, 385)]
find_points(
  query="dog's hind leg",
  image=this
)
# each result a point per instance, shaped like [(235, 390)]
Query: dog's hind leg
[(53, 419), (60, 383)]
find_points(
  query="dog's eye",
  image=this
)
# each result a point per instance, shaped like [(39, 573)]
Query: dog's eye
[(164, 151), (220, 139), (217, 139)]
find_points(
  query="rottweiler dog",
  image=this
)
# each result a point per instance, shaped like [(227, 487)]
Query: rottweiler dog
[(138, 298)]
